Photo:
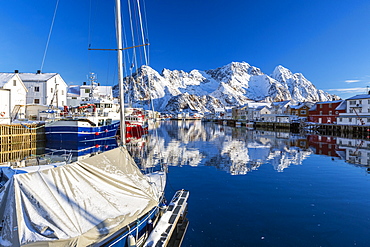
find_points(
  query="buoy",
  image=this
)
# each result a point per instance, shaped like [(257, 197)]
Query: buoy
[(96, 133), (97, 145), (131, 241), (106, 131), (2, 114)]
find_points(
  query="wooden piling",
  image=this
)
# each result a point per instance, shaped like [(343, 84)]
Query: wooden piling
[(20, 140)]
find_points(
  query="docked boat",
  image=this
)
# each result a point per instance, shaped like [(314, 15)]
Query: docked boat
[(103, 200)]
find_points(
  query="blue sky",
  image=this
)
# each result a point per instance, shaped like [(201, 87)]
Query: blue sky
[(327, 41)]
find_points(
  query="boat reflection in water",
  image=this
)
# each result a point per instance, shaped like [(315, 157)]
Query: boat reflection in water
[(73, 151)]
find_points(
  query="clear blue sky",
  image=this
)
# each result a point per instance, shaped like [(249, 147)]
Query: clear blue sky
[(328, 41)]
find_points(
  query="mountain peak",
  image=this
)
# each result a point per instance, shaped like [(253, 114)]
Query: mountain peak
[(231, 85)]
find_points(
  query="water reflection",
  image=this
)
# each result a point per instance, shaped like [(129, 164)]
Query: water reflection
[(239, 151)]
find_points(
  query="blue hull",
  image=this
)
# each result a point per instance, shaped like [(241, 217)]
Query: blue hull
[(137, 228), (80, 148), (65, 133)]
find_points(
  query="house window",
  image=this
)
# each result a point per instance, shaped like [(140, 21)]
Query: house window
[(368, 101), (330, 105), (340, 119), (87, 90), (330, 112), (62, 92), (368, 120), (36, 101), (336, 112), (303, 112), (320, 112), (320, 105), (14, 83), (51, 90), (352, 102), (350, 119), (37, 89)]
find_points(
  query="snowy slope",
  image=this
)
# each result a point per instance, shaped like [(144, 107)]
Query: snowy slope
[(231, 85)]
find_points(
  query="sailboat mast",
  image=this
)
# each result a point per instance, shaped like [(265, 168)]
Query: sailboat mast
[(120, 70)]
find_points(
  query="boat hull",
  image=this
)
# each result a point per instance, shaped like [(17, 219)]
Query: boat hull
[(79, 131)]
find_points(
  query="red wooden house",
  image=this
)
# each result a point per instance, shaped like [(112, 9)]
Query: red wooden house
[(325, 112)]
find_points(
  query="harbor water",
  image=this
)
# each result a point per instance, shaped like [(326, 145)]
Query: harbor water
[(256, 187), (260, 188)]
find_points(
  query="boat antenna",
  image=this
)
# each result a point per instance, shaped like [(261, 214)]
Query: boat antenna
[(120, 71)]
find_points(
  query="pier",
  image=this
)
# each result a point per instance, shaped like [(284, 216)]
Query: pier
[(350, 131), (18, 141)]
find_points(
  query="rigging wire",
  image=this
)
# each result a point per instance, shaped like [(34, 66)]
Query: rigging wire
[(48, 40)]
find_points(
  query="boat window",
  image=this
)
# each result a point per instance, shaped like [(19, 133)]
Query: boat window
[(108, 105), (101, 122), (109, 121)]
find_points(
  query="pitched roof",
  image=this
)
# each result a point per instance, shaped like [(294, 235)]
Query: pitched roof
[(361, 96), (342, 106), (5, 77), (34, 77)]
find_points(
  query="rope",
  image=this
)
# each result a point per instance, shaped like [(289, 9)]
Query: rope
[(51, 28)]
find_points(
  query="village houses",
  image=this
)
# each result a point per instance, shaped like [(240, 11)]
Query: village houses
[(13, 97)]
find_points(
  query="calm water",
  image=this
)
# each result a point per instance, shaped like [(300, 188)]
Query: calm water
[(262, 188)]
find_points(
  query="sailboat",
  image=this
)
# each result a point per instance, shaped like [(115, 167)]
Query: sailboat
[(103, 200)]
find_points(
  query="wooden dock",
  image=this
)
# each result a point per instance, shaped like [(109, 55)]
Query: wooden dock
[(18, 141), (350, 131)]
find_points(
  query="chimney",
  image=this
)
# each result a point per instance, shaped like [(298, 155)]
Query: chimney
[(16, 71), (38, 71), (84, 83)]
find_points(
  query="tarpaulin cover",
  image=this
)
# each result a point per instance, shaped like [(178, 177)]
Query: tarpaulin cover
[(76, 204)]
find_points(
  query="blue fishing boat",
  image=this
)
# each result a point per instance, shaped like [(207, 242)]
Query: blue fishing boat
[(103, 200)]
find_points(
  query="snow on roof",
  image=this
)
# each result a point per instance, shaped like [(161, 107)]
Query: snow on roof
[(328, 102), (42, 77), (5, 77), (342, 106), (361, 96), (281, 102), (260, 107), (73, 90)]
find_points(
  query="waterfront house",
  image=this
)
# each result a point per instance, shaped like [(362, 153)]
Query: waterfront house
[(301, 110), (13, 97), (262, 113), (357, 111), (250, 110), (45, 89), (239, 113), (325, 112)]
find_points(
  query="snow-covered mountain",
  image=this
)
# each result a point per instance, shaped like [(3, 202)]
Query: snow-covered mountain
[(234, 84)]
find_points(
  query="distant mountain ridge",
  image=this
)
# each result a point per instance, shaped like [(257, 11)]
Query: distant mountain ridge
[(234, 84)]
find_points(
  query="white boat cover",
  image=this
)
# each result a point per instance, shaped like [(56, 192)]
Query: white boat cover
[(76, 204)]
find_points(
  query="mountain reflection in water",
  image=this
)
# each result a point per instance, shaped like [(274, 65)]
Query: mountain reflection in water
[(239, 151)]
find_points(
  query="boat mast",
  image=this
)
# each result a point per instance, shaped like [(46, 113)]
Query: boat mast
[(120, 71)]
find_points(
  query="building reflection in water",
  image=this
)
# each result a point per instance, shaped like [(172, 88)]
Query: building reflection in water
[(234, 150), (239, 151)]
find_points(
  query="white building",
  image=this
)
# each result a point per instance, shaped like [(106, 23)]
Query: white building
[(77, 93), (357, 111), (356, 151), (13, 97), (45, 89)]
